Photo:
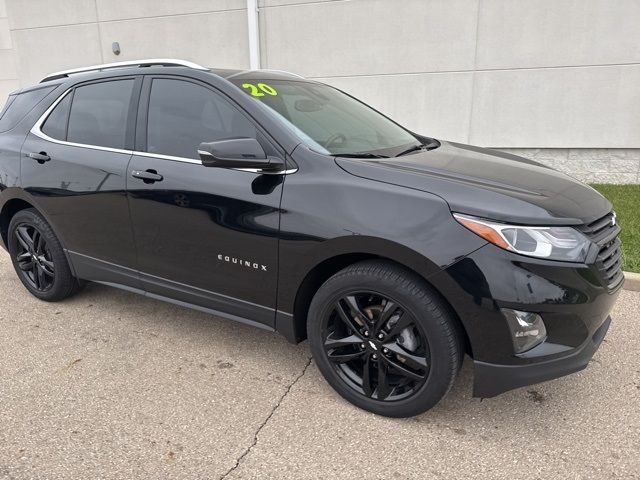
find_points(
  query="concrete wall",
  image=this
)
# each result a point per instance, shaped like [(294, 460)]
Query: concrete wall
[(50, 36), (8, 71), (553, 79), (592, 165)]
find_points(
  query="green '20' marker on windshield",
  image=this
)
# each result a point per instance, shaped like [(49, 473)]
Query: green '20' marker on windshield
[(260, 89)]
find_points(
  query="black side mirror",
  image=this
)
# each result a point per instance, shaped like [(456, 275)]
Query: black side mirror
[(237, 153)]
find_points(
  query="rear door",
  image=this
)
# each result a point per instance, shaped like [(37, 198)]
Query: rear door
[(206, 236), (74, 164), (18, 106)]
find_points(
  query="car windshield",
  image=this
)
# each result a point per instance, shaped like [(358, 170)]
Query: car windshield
[(329, 121)]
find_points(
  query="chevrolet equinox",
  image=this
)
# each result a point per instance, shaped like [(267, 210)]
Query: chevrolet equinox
[(289, 205)]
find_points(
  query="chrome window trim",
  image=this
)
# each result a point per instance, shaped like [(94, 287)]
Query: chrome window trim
[(168, 157), (37, 131)]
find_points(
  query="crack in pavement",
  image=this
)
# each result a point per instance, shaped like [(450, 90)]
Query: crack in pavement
[(263, 424)]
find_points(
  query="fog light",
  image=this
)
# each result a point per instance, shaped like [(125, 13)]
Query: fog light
[(527, 329)]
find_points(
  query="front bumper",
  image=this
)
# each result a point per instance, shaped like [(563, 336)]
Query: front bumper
[(491, 379), (572, 299)]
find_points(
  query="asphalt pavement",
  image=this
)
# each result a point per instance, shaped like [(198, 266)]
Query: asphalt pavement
[(113, 385)]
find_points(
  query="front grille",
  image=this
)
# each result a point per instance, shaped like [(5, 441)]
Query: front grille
[(604, 233)]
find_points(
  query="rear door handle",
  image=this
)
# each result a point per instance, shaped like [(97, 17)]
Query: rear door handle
[(40, 157), (147, 176)]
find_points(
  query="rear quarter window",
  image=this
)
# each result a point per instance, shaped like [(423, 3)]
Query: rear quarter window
[(7, 105), (19, 105), (55, 125)]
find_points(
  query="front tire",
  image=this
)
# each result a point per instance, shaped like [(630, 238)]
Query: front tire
[(383, 339), (38, 257)]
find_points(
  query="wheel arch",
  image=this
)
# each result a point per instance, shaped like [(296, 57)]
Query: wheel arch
[(328, 267), (17, 202), (9, 209)]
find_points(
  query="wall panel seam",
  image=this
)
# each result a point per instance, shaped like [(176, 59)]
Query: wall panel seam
[(64, 25), (473, 75), (171, 15), (95, 4), (301, 4), (481, 70), (195, 14), (130, 19)]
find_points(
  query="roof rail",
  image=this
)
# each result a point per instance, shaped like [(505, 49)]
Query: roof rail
[(164, 62)]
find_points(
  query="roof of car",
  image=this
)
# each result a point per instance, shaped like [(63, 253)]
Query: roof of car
[(231, 74), (133, 66)]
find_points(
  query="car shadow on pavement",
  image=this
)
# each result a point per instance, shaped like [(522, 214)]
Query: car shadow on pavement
[(174, 323), (251, 345)]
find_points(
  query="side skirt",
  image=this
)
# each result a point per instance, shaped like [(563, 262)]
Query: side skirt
[(106, 273)]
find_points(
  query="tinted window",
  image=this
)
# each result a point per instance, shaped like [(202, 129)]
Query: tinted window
[(99, 114), (182, 115), (55, 125), (18, 106)]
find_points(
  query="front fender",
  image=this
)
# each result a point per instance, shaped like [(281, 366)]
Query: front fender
[(328, 213), (371, 246)]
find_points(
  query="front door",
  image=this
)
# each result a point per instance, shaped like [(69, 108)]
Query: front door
[(205, 236)]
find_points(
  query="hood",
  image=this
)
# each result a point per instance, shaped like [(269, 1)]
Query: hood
[(489, 184)]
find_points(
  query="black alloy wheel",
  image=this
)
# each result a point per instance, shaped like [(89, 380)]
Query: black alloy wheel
[(376, 346), (34, 258), (384, 339), (38, 257)]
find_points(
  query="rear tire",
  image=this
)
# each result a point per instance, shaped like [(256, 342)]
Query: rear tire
[(38, 257), (383, 339)]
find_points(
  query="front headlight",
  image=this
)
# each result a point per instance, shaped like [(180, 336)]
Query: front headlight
[(554, 243)]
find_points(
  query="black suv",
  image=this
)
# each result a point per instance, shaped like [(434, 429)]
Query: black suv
[(287, 204)]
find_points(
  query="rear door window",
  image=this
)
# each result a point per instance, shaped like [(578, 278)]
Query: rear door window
[(99, 113), (19, 105)]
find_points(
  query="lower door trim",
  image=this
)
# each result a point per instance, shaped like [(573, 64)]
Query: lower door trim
[(106, 273)]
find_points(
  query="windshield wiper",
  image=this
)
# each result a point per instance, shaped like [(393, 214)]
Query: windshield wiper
[(359, 155), (415, 148), (422, 146)]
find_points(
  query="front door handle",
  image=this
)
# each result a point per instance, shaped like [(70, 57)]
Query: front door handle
[(40, 157), (147, 176)]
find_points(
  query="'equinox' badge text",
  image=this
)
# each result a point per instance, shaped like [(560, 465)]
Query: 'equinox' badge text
[(242, 263)]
